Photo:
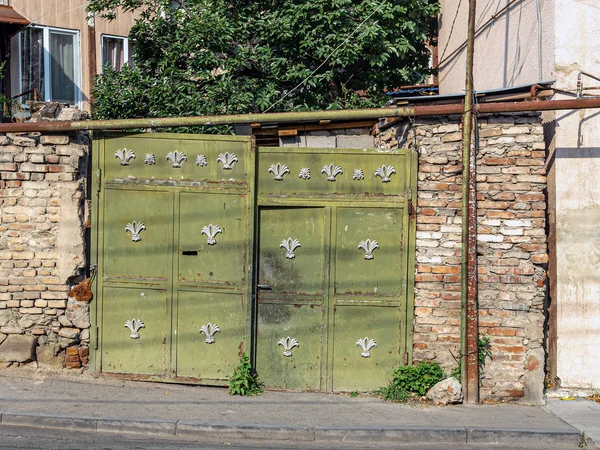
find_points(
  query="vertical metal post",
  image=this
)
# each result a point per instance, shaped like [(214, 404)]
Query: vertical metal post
[(469, 322)]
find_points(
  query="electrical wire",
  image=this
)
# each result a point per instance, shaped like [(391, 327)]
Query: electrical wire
[(36, 21), (451, 30), (326, 59)]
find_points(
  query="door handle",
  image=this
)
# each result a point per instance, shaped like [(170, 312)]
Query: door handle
[(264, 287)]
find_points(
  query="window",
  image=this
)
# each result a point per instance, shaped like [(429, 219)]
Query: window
[(115, 51), (48, 63)]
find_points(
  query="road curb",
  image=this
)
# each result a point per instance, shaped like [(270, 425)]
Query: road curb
[(398, 435)]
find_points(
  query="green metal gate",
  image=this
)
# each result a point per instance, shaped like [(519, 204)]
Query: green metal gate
[(172, 241), (319, 293), (333, 267)]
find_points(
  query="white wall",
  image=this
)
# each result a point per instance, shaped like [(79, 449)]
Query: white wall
[(506, 51), (577, 166)]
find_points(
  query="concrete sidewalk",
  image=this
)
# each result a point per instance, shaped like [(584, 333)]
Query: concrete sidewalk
[(75, 401)]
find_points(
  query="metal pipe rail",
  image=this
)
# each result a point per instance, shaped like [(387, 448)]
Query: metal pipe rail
[(295, 117)]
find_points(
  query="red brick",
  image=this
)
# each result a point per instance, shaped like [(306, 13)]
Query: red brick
[(451, 278), (72, 358), (539, 259), (492, 205), (499, 161), (72, 351), (9, 167), (428, 277), (446, 269)]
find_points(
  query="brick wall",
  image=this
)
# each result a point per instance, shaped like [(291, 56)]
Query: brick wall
[(42, 252), (512, 252)]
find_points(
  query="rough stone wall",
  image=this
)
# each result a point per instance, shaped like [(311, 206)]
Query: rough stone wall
[(512, 252), (42, 250)]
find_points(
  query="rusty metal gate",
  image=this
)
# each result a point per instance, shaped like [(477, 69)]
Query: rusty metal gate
[(171, 237), (310, 274), (333, 267)]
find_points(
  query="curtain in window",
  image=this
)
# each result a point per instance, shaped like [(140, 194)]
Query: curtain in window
[(114, 53), (62, 68), (32, 61)]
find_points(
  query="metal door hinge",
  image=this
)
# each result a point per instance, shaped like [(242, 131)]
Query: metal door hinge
[(98, 179), (412, 212), (405, 359)]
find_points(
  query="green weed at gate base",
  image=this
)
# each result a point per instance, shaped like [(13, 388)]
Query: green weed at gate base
[(244, 380), (415, 380)]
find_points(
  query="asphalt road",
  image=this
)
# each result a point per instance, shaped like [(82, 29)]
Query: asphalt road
[(18, 438)]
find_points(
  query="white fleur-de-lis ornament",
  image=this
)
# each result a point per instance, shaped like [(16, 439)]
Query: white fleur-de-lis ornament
[(366, 344), (209, 330), (304, 173), (279, 170), (227, 159), (211, 231), (134, 326), (290, 245), (331, 171), (385, 172), (288, 344), (177, 158), (125, 156), (150, 159), (368, 246), (201, 161), (135, 228)]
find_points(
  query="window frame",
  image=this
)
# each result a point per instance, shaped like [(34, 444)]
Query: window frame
[(125, 40), (46, 31)]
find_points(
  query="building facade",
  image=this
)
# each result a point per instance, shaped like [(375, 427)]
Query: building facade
[(56, 55)]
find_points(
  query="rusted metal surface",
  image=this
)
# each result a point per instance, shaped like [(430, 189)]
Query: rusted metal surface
[(91, 48), (297, 117), (470, 373)]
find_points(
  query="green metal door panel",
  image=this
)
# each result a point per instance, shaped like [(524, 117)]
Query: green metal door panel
[(289, 349), (134, 349), (358, 368), (197, 358), (175, 158), (369, 252), (137, 235), (292, 251), (331, 173), (212, 239)]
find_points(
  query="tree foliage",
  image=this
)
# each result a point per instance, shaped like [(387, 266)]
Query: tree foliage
[(195, 57)]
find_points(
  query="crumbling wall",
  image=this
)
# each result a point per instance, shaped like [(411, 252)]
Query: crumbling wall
[(42, 246), (512, 251)]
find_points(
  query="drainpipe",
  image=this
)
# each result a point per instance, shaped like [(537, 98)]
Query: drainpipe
[(469, 317), (91, 35)]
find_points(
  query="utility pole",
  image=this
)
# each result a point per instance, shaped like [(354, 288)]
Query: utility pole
[(469, 309)]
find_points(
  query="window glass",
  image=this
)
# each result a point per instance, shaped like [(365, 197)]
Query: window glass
[(32, 62), (113, 52), (62, 68)]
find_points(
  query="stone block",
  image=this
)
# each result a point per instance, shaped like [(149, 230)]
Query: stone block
[(18, 348), (446, 391), (54, 139), (78, 313), (365, 141), (318, 141), (5, 316), (47, 355), (69, 333)]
